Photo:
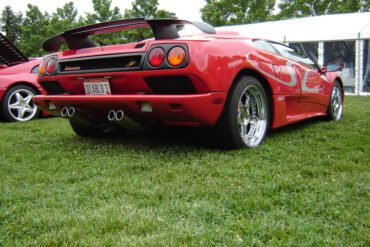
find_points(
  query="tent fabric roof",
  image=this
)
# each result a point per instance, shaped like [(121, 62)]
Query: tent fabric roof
[(317, 28)]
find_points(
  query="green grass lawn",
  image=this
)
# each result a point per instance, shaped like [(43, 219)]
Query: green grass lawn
[(307, 185)]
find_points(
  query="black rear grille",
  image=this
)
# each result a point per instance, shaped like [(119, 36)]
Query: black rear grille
[(101, 64), (170, 85), (53, 87)]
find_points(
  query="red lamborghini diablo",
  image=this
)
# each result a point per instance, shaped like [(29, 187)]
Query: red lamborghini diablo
[(238, 86)]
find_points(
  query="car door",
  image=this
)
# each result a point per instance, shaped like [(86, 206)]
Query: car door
[(313, 83)]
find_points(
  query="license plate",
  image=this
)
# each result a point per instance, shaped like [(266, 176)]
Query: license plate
[(98, 86)]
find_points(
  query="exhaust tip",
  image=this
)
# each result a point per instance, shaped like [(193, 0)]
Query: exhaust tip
[(112, 115), (64, 112), (119, 115), (71, 111)]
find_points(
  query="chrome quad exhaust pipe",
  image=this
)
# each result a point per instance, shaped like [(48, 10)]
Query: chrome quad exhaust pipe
[(120, 118), (74, 116), (67, 112)]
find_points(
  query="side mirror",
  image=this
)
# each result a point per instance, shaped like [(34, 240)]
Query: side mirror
[(332, 67)]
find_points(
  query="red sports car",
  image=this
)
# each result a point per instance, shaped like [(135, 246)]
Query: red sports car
[(238, 86), (18, 83)]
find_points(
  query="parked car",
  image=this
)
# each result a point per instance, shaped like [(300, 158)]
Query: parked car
[(238, 86), (18, 83)]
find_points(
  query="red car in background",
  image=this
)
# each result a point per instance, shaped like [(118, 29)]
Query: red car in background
[(238, 86), (18, 83)]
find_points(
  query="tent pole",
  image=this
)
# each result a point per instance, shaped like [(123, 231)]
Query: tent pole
[(358, 65), (320, 53)]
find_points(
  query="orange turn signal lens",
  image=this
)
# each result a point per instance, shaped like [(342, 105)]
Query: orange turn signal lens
[(42, 67), (176, 56)]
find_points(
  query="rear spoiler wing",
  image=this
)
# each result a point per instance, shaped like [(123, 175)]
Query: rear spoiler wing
[(78, 38), (9, 53)]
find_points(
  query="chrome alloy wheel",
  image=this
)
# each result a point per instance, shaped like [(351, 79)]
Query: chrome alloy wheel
[(20, 105), (336, 102), (252, 115)]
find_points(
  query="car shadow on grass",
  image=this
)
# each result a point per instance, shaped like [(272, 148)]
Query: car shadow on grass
[(162, 137), (183, 137)]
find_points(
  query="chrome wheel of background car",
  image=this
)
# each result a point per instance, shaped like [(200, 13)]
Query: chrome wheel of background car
[(336, 102), (252, 113), (20, 105)]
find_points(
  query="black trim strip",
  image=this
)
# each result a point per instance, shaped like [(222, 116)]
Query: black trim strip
[(94, 58)]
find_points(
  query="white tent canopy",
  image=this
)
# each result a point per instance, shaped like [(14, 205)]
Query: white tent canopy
[(318, 28)]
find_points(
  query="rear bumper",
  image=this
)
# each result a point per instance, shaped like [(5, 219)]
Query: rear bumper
[(195, 109)]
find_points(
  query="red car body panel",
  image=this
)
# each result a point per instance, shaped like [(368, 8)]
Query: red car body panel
[(214, 63), (19, 74)]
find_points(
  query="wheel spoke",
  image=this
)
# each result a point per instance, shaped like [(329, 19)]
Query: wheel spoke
[(244, 129), (28, 99), (28, 109), (22, 112), (247, 102), (14, 106), (240, 120), (19, 97)]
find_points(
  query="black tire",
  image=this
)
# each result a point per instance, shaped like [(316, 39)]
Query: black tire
[(86, 131), (23, 109), (335, 106), (227, 133)]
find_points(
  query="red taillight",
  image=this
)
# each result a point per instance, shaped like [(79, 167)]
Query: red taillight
[(156, 57), (176, 56), (50, 66)]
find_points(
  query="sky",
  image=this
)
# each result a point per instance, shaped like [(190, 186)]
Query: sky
[(189, 9)]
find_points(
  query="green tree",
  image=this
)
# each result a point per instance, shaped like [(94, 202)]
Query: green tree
[(34, 31), (64, 18), (11, 24), (103, 12), (147, 9), (301, 8), (228, 12)]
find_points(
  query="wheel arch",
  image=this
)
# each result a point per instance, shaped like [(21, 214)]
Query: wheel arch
[(25, 83)]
